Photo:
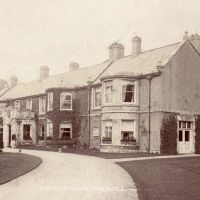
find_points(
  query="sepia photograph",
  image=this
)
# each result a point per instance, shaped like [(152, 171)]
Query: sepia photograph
[(100, 99)]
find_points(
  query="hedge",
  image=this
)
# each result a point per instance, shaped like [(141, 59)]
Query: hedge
[(197, 137), (168, 134)]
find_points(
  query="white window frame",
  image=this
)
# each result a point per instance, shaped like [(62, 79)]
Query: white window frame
[(65, 125), (49, 128), (50, 101), (41, 105), (125, 83), (96, 90), (17, 104), (29, 103), (108, 84), (108, 129), (66, 94)]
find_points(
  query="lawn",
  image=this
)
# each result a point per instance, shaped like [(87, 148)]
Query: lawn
[(89, 152), (166, 179), (13, 165)]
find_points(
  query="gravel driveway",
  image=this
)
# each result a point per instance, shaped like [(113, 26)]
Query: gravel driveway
[(69, 176)]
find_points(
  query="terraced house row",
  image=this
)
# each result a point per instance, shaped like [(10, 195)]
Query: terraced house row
[(118, 104)]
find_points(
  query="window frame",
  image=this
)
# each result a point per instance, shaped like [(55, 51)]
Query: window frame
[(66, 93), (41, 100), (31, 104), (49, 128), (124, 84), (108, 83), (109, 132), (94, 92), (17, 107), (65, 125), (49, 99)]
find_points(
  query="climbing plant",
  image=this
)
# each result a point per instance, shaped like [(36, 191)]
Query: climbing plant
[(197, 137), (168, 134)]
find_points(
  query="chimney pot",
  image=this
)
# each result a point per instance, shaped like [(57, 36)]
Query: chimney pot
[(44, 72), (73, 66), (13, 80), (186, 35), (116, 51), (136, 46)]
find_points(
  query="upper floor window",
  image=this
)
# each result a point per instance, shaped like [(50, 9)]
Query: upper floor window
[(42, 105), (128, 93), (29, 104), (17, 104), (50, 101), (66, 101), (108, 91), (96, 97)]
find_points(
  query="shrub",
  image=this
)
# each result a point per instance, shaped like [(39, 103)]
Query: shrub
[(49, 138), (14, 137), (197, 137), (168, 135)]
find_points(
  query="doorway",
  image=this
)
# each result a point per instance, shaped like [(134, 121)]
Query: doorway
[(185, 137), (26, 132)]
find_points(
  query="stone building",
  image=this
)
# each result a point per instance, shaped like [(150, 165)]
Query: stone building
[(118, 105)]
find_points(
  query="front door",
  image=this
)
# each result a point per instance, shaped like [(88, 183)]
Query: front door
[(26, 132), (185, 137)]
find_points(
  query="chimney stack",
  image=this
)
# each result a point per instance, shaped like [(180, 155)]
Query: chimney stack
[(195, 40), (44, 72), (116, 51), (186, 36), (136, 46), (73, 66), (13, 80)]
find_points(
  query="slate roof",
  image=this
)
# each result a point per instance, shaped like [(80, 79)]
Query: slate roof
[(69, 80), (144, 63)]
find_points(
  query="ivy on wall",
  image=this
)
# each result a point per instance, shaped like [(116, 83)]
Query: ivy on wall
[(197, 137), (168, 134)]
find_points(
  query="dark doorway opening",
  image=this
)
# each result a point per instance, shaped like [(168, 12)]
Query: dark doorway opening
[(26, 132)]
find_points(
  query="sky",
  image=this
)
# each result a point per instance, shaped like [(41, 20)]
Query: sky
[(56, 32)]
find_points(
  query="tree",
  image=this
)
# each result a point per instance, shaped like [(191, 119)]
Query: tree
[(169, 135)]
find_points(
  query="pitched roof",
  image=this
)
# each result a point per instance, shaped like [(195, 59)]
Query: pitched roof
[(144, 63), (69, 80)]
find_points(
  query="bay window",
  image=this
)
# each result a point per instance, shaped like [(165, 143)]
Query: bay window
[(108, 130), (65, 101), (128, 92), (108, 91), (127, 131)]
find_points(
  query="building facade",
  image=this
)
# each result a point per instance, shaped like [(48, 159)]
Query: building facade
[(118, 105)]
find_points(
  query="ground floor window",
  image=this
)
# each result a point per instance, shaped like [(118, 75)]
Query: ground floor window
[(49, 129), (127, 131), (41, 133), (65, 131), (26, 131), (107, 131)]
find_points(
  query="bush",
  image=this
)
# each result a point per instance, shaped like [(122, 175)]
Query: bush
[(168, 135), (49, 138), (14, 137), (197, 137), (40, 137)]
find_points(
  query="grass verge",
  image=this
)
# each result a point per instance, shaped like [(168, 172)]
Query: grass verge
[(166, 179), (13, 165)]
